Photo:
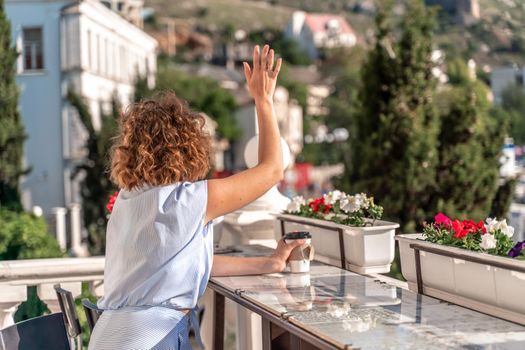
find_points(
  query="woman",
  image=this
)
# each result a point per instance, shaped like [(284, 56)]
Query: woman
[(159, 250)]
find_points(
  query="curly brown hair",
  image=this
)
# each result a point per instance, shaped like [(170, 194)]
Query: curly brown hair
[(161, 141)]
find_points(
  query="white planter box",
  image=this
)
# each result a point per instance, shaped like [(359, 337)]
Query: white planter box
[(367, 249), (491, 284)]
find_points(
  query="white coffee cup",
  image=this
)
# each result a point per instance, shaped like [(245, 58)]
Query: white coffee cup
[(301, 256)]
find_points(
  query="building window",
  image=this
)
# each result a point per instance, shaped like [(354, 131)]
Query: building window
[(89, 50), (33, 53), (99, 55)]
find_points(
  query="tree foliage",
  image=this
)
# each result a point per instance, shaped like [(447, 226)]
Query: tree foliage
[(513, 102), (394, 153), (202, 94), (289, 49), (96, 186), (471, 138), (12, 134), (420, 150), (24, 236)]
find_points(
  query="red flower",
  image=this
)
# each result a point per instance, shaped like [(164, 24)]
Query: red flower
[(470, 226), (481, 227), (111, 202), (459, 230), (442, 219), (318, 203), (466, 227)]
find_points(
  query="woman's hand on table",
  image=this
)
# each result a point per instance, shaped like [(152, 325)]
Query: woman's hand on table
[(224, 265), (283, 251)]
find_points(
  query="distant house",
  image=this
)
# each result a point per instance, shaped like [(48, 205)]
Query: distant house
[(506, 77), (318, 88), (66, 44), (315, 32)]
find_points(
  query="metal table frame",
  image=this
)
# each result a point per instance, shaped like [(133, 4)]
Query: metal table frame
[(282, 320)]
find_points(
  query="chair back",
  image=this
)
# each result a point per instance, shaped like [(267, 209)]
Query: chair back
[(67, 306), (40, 333), (92, 313)]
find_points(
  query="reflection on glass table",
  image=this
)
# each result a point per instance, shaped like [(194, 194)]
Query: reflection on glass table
[(354, 309)]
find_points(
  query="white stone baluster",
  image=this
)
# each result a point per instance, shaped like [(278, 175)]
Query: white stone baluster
[(60, 226), (76, 231), (97, 288), (10, 298)]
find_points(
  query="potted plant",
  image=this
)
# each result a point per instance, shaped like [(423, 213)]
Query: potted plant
[(346, 230), (476, 265)]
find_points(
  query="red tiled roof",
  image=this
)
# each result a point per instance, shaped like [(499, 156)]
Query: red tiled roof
[(318, 22)]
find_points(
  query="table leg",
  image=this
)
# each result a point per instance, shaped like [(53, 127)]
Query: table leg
[(218, 321), (266, 334), (295, 342)]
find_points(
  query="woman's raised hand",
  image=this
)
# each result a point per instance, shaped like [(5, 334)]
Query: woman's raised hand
[(262, 77)]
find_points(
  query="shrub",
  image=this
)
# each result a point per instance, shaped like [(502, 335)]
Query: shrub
[(25, 236)]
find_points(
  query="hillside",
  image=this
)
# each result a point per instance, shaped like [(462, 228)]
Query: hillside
[(497, 39)]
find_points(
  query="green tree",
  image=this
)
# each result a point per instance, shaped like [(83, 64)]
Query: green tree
[(96, 186), (395, 126), (513, 102), (202, 94), (290, 50), (12, 134), (471, 137), (24, 236)]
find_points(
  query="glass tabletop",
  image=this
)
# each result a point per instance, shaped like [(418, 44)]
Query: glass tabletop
[(352, 309)]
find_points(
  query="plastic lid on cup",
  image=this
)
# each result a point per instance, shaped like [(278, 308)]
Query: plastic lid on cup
[(298, 235)]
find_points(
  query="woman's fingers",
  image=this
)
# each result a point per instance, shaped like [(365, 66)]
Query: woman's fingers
[(264, 57), (269, 65), (256, 58), (277, 69), (247, 71)]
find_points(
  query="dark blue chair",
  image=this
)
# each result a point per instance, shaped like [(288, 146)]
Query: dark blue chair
[(69, 313), (40, 333), (92, 313)]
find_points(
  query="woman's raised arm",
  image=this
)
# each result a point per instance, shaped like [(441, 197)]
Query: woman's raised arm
[(234, 192)]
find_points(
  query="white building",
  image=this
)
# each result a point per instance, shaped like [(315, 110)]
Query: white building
[(129, 9), (68, 44), (315, 32), (505, 77)]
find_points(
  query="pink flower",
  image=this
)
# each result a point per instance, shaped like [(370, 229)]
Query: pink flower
[(442, 219)]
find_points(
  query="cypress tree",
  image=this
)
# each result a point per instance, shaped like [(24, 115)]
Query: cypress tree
[(470, 142), (394, 140), (12, 134)]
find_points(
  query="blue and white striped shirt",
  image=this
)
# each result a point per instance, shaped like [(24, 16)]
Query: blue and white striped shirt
[(159, 253)]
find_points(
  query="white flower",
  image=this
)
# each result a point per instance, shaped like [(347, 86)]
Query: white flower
[(350, 204), (490, 224), (295, 205), (363, 200), (505, 229), (488, 241), (332, 197), (493, 225)]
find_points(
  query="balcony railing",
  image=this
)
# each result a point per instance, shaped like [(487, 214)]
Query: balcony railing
[(17, 275)]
